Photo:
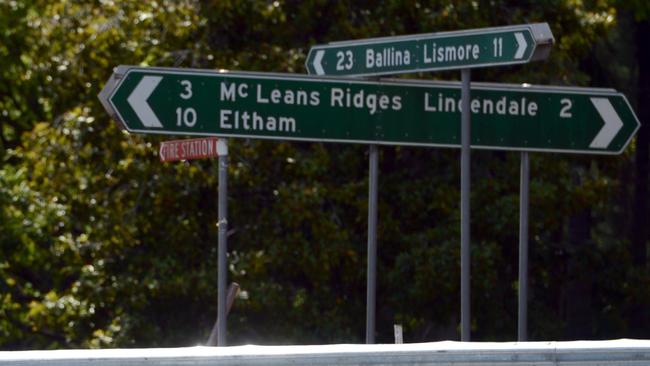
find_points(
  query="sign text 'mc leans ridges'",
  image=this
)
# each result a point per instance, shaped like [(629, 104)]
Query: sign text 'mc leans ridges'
[(291, 107)]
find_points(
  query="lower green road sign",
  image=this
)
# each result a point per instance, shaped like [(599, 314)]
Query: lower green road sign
[(390, 112)]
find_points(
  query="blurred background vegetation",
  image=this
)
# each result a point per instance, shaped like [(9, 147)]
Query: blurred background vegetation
[(101, 245)]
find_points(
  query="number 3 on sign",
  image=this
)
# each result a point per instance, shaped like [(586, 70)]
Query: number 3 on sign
[(187, 92)]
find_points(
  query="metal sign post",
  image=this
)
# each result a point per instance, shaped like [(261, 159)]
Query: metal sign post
[(222, 150), (522, 329), (201, 148), (465, 183), (371, 276)]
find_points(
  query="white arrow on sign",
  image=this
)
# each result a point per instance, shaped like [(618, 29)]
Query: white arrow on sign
[(161, 152), (613, 123), (317, 62), (521, 45), (138, 100)]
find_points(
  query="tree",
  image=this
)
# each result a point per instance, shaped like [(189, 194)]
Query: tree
[(102, 244)]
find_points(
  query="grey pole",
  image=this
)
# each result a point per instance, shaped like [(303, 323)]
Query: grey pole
[(371, 276), (222, 150), (522, 331), (233, 291), (465, 320)]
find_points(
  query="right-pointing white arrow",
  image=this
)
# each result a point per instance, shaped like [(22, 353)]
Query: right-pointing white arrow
[(317, 62), (138, 100), (612, 125), (521, 45)]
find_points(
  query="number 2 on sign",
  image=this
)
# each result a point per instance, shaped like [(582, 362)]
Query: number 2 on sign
[(565, 112)]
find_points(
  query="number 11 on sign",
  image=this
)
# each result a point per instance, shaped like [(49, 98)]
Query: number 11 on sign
[(498, 47)]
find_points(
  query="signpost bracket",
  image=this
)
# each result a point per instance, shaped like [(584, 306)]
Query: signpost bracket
[(544, 39)]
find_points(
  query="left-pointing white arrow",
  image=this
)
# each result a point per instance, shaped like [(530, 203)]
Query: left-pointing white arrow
[(612, 125), (318, 67), (521, 45), (138, 100), (161, 152)]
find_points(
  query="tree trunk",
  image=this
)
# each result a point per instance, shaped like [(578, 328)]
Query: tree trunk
[(580, 284)]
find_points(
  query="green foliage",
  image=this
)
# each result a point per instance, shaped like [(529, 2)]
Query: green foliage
[(104, 246)]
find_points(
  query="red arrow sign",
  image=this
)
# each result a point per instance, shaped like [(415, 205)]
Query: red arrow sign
[(188, 149)]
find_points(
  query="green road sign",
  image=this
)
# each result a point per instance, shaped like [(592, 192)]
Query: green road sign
[(434, 51), (389, 112)]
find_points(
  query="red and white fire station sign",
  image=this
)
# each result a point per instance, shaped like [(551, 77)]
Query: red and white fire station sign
[(189, 149)]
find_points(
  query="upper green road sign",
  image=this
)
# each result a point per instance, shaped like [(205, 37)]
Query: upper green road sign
[(434, 51), (389, 112)]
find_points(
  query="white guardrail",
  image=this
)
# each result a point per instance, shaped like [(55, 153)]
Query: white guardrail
[(447, 353)]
